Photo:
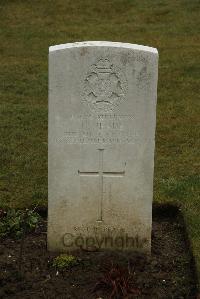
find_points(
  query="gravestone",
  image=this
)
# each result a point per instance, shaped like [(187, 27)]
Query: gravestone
[(102, 117)]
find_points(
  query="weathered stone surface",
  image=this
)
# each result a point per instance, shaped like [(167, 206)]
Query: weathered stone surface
[(102, 116)]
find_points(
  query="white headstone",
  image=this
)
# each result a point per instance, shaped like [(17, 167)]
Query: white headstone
[(102, 117)]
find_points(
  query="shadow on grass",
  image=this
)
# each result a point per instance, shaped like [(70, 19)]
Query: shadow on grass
[(172, 212)]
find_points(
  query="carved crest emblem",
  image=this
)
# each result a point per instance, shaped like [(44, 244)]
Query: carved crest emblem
[(104, 86)]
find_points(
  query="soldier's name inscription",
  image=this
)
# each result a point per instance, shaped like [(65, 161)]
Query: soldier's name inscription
[(99, 128)]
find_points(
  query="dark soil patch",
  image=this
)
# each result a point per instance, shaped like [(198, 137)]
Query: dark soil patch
[(168, 273)]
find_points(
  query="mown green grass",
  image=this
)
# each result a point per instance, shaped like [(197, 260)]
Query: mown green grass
[(28, 28)]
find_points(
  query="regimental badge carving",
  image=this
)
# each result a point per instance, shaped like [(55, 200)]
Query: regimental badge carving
[(105, 86)]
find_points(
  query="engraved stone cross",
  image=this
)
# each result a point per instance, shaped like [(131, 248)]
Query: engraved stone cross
[(101, 174)]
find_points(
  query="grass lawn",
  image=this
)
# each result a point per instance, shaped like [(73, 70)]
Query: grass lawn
[(28, 28)]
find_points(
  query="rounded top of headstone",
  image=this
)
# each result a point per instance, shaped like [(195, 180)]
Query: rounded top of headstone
[(102, 44)]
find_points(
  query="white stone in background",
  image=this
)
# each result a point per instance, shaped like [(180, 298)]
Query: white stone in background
[(102, 117)]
